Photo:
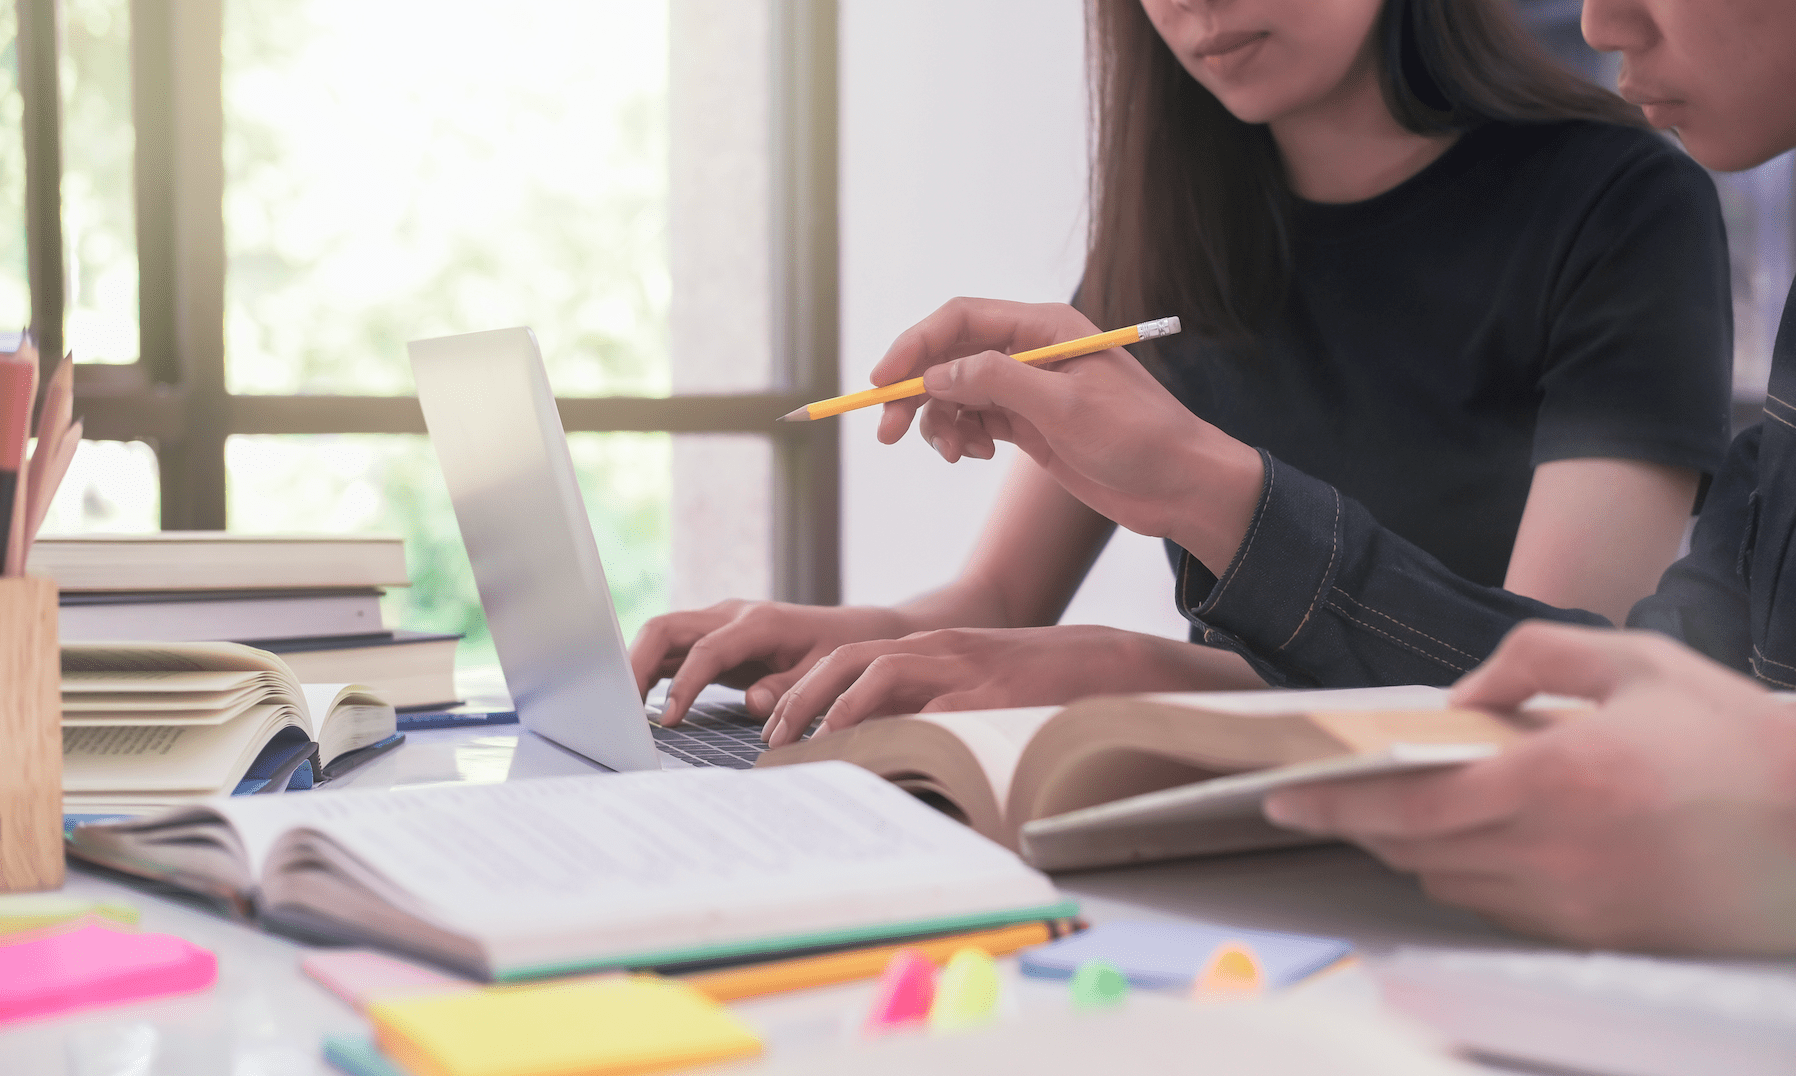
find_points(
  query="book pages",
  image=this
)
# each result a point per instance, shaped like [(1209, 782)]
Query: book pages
[(562, 869), (995, 738), (200, 758), (148, 722)]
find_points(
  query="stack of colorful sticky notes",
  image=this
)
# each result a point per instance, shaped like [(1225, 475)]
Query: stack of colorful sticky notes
[(589, 1027), (51, 971), (34, 911)]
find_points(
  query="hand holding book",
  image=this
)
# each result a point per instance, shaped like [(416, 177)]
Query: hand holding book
[(1120, 779)]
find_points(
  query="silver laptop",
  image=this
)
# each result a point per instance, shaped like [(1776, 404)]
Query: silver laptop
[(498, 437)]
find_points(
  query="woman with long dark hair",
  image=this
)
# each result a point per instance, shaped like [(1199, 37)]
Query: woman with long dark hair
[(1456, 350)]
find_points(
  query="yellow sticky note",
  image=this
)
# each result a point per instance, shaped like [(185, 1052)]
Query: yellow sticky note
[(581, 1028), (34, 911)]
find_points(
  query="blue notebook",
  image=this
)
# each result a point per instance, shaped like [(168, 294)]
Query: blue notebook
[(1162, 955)]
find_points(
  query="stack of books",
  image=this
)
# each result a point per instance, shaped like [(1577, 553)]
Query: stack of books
[(313, 600)]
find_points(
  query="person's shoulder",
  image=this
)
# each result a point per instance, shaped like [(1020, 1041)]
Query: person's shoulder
[(1581, 165), (1597, 152)]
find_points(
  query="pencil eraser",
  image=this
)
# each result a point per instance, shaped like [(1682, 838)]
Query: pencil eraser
[(906, 990), (97, 965), (966, 994)]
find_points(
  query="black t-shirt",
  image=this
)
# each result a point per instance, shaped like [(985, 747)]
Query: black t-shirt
[(1539, 292)]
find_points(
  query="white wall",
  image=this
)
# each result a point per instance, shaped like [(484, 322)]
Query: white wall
[(963, 168)]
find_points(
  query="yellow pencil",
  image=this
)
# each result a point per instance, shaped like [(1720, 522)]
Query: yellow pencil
[(804, 972), (1072, 349)]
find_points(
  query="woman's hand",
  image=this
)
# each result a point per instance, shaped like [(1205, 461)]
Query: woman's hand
[(763, 647), (987, 668), (1100, 425)]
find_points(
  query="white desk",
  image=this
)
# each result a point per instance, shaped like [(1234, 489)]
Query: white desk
[(264, 1018)]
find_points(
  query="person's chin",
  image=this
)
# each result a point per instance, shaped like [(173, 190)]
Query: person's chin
[(1250, 107), (1725, 150)]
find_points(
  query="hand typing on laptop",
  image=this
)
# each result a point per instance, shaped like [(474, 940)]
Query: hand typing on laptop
[(799, 663), (761, 647)]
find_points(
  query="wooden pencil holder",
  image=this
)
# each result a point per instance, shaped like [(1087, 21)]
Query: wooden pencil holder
[(30, 737)]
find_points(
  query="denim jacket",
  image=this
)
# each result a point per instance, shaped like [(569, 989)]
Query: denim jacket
[(1729, 597), (1320, 595)]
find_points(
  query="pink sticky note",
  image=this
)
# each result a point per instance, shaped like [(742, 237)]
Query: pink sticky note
[(97, 965), (906, 989), (359, 976)]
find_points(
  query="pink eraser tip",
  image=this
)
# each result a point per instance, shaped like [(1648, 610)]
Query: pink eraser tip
[(98, 965), (906, 990)]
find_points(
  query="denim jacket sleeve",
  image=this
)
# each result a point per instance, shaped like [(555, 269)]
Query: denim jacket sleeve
[(1702, 600), (1320, 595)]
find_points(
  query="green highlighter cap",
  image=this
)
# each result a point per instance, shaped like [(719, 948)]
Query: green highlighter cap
[(1098, 985)]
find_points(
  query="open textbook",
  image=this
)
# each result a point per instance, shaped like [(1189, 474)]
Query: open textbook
[(147, 725), (559, 874), (1121, 779)]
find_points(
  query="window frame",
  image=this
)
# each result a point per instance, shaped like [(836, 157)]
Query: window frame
[(175, 396)]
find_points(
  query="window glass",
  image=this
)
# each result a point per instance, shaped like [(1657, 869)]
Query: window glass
[(113, 487), (722, 514), (15, 288), (380, 484), (397, 170), (99, 230)]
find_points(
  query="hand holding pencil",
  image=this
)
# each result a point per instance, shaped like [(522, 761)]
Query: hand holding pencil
[(1071, 349), (1100, 424)]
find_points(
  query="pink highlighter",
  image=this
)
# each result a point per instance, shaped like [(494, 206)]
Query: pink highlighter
[(46, 974)]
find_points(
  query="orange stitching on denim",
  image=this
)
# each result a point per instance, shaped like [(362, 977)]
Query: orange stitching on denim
[(1762, 675), (1265, 500), (1780, 418), (1437, 659), (1760, 654), (1362, 605), (1334, 547), (1786, 403)]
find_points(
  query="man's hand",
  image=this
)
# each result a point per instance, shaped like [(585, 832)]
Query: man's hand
[(1664, 819)]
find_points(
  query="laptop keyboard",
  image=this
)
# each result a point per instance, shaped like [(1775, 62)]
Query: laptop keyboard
[(712, 734)]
